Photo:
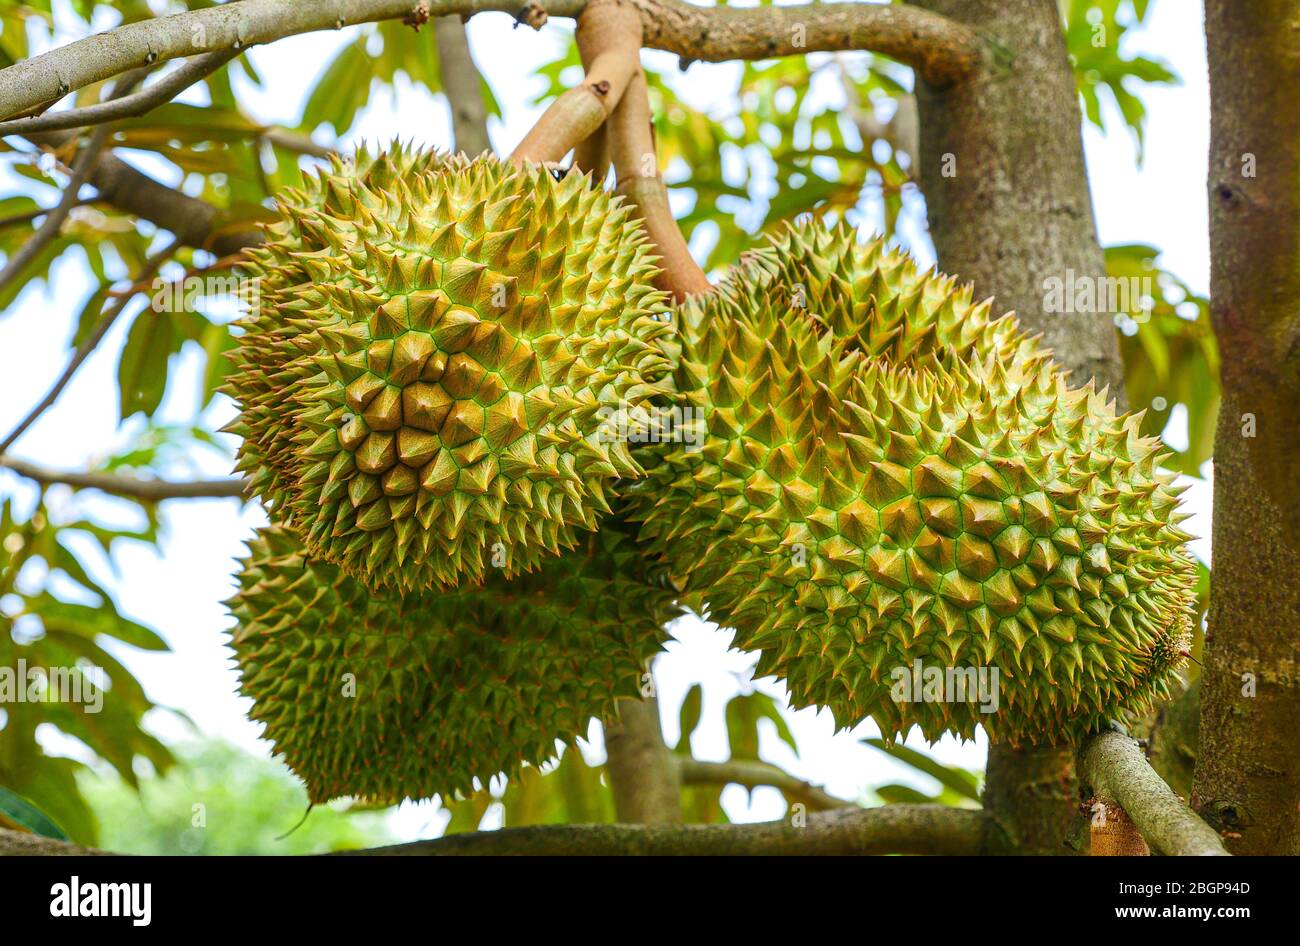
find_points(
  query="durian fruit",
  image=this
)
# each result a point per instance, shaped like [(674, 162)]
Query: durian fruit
[(891, 484), (387, 697), (440, 345)]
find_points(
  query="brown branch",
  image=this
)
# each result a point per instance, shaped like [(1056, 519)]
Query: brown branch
[(149, 490), (128, 106), (22, 844), (1113, 834), (609, 40), (640, 769), (1119, 774), (756, 774), (941, 50), (463, 85), (636, 170), (147, 271)]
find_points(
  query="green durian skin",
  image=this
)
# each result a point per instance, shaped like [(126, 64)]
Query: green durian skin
[(389, 698), (438, 343), (889, 475)]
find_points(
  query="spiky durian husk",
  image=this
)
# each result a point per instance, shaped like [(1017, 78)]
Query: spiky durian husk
[(389, 697), (438, 344), (890, 476)]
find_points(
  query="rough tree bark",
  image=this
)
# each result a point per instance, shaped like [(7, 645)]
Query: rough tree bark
[(1005, 184), (640, 770), (1247, 780)]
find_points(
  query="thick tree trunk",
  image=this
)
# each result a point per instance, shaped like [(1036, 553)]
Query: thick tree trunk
[(1007, 194), (1248, 769), (1005, 183)]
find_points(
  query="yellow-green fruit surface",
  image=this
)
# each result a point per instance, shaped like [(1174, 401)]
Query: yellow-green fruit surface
[(437, 344), (890, 481), (387, 698)]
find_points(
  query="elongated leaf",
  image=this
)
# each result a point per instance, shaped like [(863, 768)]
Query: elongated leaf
[(25, 816), (964, 783)]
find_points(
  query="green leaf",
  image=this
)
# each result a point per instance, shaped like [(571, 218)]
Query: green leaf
[(689, 718), (903, 795), (90, 622), (27, 816), (142, 371), (743, 714), (963, 783)]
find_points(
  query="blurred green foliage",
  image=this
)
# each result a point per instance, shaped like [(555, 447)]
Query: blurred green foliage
[(55, 617), (223, 800)]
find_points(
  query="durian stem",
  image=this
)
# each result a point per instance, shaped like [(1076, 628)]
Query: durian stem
[(609, 36), (636, 170), (1118, 773), (639, 767)]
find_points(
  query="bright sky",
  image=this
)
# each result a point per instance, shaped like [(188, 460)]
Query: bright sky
[(180, 591)]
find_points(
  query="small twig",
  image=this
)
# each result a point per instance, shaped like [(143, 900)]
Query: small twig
[(755, 774), (128, 106), (31, 215), (147, 271), (150, 490), (225, 262), (291, 141)]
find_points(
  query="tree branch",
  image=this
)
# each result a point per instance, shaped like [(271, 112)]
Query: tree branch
[(194, 222), (641, 774), (891, 829), (462, 84), (1114, 766), (149, 490), (755, 774), (147, 272), (128, 106), (941, 50), (609, 40)]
